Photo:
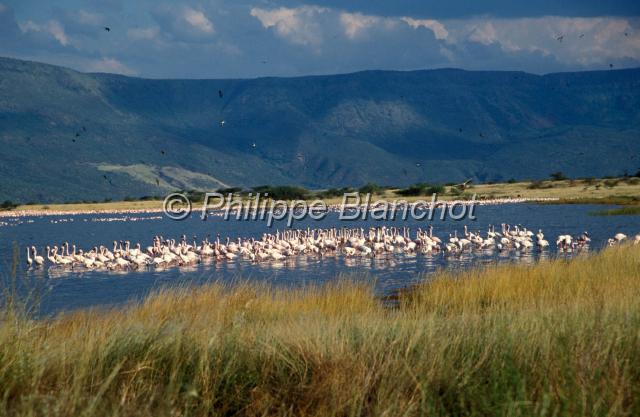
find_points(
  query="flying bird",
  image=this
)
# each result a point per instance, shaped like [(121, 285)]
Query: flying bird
[(463, 185), (581, 36), (222, 122), (162, 152), (253, 145), (560, 38), (610, 65), (481, 134), (107, 28), (220, 93), (157, 182)]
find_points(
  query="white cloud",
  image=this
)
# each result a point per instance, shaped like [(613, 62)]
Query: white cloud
[(570, 40), (297, 25), (110, 65), (198, 20), (484, 33), (53, 27), (56, 29), (137, 34), (436, 27), (355, 23)]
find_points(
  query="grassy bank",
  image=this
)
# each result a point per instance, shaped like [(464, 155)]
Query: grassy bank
[(560, 338), (621, 211), (585, 191)]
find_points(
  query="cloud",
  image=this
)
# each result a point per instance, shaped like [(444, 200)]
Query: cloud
[(137, 34), (355, 23), (53, 27), (198, 20), (570, 40), (297, 25), (183, 23), (436, 27), (56, 29), (248, 38), (109, 65)]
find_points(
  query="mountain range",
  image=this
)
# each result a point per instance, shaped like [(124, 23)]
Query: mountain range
[(67, 135)]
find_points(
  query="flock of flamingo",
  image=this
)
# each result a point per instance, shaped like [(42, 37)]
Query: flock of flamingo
[(347, 242)]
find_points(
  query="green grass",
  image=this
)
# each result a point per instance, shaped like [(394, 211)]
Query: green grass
[(622, 211), (559, 338)]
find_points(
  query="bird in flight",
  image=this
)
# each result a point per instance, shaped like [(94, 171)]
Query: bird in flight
[(560, 38), (220, 94), (222, 122), (107, 28), (162, 152), (253, 145), (581, 36)]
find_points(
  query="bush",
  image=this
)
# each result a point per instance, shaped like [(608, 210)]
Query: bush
[(422, 189), (334, 192), (611, 183), (371, 188), (511, 181), (283, 192), (558, 176), (539, 185), (230, 190), (8, 205)]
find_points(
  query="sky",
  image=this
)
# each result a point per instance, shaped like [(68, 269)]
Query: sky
[(254, 38)]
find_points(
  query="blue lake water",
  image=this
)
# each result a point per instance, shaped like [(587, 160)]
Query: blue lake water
[(71, 289)]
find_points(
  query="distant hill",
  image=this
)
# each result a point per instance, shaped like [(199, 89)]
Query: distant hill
[(67, 136)]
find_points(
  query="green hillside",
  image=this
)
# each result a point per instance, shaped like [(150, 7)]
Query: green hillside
[(67, 136)]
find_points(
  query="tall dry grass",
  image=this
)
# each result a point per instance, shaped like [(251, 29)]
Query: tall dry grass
[(559, 338)]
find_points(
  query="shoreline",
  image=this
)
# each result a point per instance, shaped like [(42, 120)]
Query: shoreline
[(331, 207)]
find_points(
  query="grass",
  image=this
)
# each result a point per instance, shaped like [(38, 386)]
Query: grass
[(601, 191), (558, 338), (622, 211)]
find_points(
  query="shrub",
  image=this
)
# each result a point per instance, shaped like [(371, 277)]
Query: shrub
[(558, 176), (371, 188), (539, 185), (8, 205), (611, 183), (283, 192), (422, 189)]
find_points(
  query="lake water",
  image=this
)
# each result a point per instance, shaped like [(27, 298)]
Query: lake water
[(72, 289)]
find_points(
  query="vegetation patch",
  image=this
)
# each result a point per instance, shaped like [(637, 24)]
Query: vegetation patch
[(504, 340)]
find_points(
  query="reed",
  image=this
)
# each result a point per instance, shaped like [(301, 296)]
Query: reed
[(558, 338)]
